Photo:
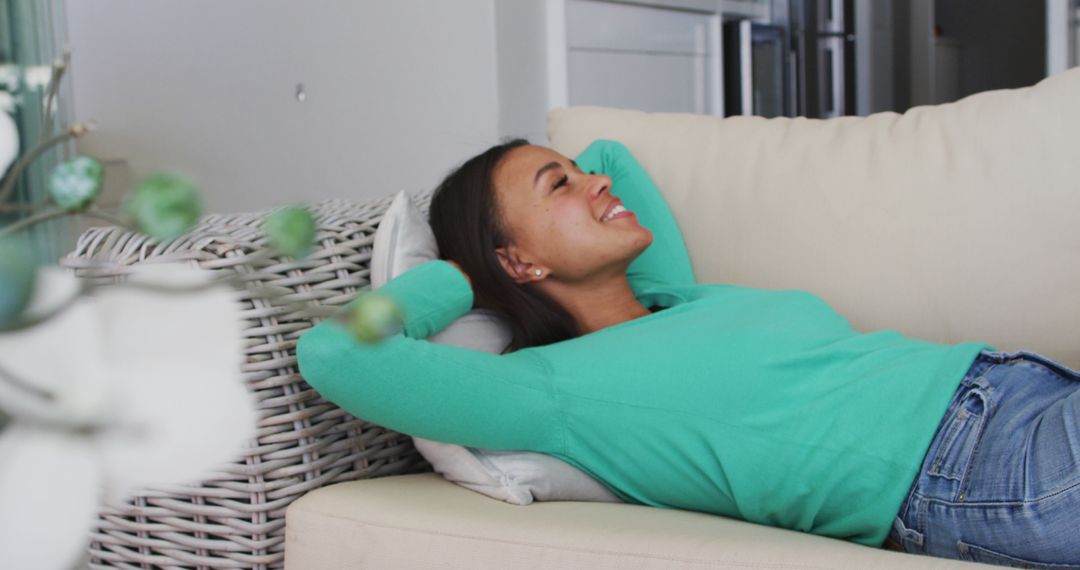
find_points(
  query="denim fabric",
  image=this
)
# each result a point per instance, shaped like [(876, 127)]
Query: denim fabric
[(1000, 483)]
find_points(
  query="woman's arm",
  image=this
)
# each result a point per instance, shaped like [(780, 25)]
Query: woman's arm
[(430, 390), (666, 261)]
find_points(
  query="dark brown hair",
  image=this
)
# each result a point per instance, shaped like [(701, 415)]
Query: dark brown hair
[(468, 226)]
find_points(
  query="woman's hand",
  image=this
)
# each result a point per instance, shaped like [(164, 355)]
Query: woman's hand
[(458, 267)]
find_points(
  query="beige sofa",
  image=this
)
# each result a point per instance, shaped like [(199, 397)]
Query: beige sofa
[(948, 223)]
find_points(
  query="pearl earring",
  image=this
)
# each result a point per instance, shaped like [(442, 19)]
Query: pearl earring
[(538, 272)]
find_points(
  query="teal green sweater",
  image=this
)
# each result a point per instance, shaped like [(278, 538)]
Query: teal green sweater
[(762, 405)]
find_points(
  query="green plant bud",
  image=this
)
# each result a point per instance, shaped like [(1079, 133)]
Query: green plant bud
[(374, 317), (75, 184), (165, 205), (17, 279), (291, 230)]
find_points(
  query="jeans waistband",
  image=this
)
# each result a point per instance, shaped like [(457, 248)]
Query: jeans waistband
[(971, 380), (983, 361)]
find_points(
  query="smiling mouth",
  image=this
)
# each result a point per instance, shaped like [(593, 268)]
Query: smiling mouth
[(616, 211)]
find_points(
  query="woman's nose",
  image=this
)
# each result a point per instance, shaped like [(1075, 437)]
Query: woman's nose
[(598, 184)]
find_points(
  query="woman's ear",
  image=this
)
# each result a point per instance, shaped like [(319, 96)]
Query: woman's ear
[(519, 270)]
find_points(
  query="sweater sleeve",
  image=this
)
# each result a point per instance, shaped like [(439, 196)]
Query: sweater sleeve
[(430, 390), (665, 261)]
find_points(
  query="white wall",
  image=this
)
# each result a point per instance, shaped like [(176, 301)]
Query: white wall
[(521, 37), (397, 92)]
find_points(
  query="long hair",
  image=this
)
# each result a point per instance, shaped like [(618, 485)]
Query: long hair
[(468, 227)]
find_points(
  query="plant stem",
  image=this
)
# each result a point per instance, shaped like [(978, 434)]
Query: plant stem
[(34, 219), (55, 213), (25, 160), (23, 386), (20, 207), (106, 216), (59, 66), (22, 324)]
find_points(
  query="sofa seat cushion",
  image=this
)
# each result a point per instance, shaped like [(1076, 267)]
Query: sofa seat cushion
[(422, 521)]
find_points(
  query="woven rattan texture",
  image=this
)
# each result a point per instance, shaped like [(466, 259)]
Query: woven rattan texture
[(236, 517)]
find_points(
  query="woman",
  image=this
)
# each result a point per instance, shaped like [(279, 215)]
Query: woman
[(756, 404)]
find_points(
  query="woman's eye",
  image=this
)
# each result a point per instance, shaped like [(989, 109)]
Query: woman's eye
[(560, 182)]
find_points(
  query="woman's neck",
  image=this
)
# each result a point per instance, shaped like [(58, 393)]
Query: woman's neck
[(598, 305)]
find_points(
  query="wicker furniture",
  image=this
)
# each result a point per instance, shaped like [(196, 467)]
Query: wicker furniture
[(236, 518)]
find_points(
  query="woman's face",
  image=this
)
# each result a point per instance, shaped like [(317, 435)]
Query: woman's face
[(562, 220)]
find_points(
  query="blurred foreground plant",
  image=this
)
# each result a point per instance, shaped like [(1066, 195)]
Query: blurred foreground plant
[(133, 387), (106, 389)]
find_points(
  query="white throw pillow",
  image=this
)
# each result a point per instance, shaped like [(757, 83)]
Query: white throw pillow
[(404, 240)]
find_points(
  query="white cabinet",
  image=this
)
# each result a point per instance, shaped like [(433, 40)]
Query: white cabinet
[(647, 58), (652, 55)]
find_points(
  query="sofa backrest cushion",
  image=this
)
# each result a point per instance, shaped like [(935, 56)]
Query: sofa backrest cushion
[(948, 223)]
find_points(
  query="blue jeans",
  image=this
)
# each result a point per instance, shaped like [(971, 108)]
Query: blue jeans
[(1000, 483)]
